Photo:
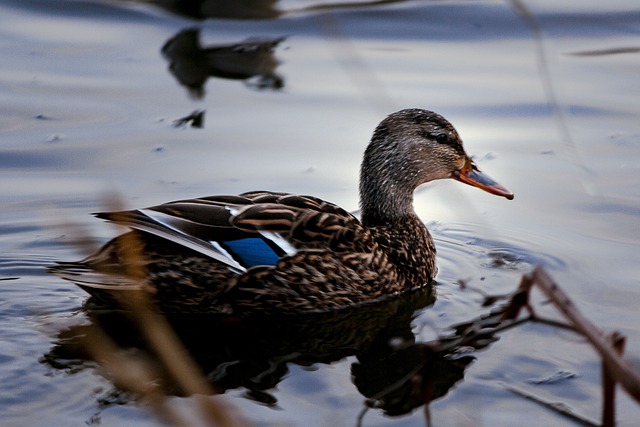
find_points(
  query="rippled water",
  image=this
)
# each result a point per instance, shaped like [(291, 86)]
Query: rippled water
[(546, 98)]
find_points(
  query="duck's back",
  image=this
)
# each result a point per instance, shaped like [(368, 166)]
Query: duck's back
[(259, 251)]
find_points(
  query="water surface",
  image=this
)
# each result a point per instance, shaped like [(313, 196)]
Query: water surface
[(545, 99)]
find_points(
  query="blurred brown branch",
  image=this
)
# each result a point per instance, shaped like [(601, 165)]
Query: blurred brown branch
[(140, 376), (621, 371), (615, 369)]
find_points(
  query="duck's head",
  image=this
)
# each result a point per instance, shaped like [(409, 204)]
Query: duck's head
[(407, 149)]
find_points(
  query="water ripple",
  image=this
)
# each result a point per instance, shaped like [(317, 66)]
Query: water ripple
[(459, 244)]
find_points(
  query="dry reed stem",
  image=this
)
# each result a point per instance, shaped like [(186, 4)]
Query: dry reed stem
[(167, 346), (137, 377), (609, 384), (130, 375)]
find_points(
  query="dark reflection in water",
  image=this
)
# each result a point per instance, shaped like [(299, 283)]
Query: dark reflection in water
[(249, 9), (195, 120), (226, 9), (252, 60), (391, 370)]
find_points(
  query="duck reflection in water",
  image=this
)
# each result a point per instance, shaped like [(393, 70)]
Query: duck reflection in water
[(390, 369), (252, 60), (225, 9), (252, 9)]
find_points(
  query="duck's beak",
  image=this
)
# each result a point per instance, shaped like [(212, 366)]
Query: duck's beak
[(470, 174)]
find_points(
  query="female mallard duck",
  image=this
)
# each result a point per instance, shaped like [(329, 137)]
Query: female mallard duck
[(279, 252)]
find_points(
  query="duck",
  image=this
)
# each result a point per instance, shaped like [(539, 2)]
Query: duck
[(277, 252)]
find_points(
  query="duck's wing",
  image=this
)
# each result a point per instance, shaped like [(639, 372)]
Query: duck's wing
[(303, 221), (256, 228)]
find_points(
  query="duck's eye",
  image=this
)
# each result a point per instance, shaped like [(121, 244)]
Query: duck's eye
[(441, 137)]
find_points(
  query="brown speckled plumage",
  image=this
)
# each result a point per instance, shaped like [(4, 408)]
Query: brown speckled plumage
[(278, 252)]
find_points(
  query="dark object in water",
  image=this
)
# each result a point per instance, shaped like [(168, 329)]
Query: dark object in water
[(195, 119)]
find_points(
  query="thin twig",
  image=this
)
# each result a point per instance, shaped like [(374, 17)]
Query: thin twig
[(554, 323), (557, 407)]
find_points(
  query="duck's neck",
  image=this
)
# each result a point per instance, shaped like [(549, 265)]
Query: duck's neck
[(401, 235), (384, 202)]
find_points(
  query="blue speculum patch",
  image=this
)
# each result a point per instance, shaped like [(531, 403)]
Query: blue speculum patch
[(252, 251)]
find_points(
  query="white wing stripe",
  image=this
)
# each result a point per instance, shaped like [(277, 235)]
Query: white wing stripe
[(228, 255), (280, 241), (213, 251)]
